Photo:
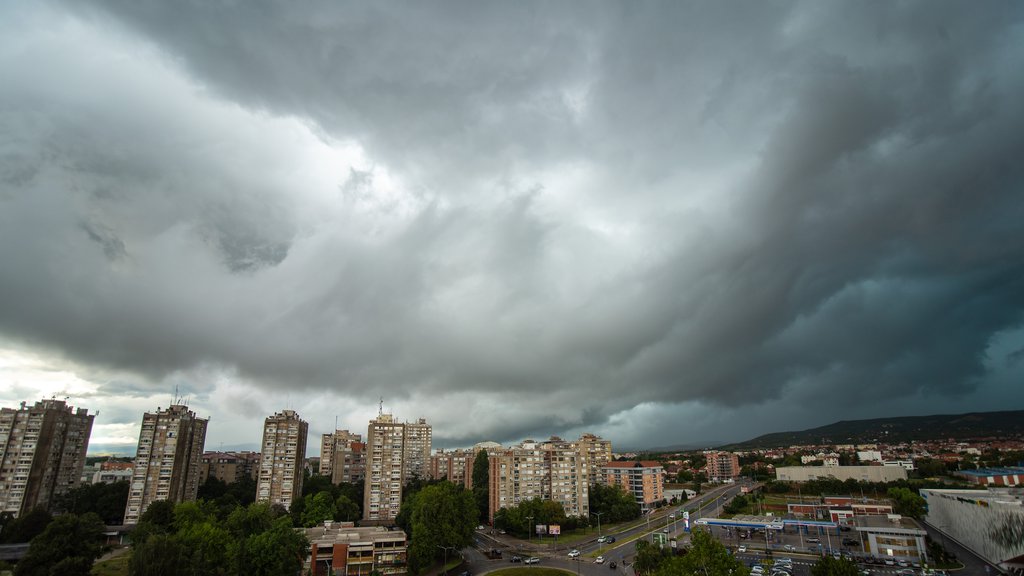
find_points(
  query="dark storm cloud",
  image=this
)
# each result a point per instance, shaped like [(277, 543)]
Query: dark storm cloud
[(572, 215)]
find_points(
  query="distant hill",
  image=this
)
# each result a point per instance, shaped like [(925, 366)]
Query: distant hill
[(901, 429)]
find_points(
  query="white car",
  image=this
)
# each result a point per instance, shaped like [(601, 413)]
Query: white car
[(757, 569), (531, 560), (574, 553), (742, 548), (599, 560), (601, 539)]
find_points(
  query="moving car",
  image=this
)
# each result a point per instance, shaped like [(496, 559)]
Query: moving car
[(531, 560), (742, 548), (609, 539), (574, 553), (613, 566), (515, 559), (602, 539), (599, 560)]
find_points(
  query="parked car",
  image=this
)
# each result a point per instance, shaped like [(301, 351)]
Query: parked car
[(850, 542), (481, 527), (574, 553), (531, 560), (789, 547), (515, 559), (903, 564), (814, 540), (757, 569), (599, 560)]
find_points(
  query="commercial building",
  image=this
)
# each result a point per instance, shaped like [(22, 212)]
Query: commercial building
[(229, 467), (167, 459), (283, 459), (1012, 476), (891, 536), (341, 549), (395, 452), (986, 522), (554, 470), (42, 453), (643, 480), (861, 473), (343, 457), (721, 465)]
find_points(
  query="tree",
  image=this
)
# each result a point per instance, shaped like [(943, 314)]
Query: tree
[(829, 566), (649, 557), (345, 509), (481, 485), (106, 500), (318, 507), (443, 515), (706, 556), (613, 503), (26, 527), (684, 476), (907, 502), (279, 550), (68, 546)]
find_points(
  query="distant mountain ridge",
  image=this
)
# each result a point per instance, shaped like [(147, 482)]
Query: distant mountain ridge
[(899, 429)]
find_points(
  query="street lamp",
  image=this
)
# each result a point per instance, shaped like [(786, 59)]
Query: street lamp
[(446, 548), (598, 514), (529, 528)]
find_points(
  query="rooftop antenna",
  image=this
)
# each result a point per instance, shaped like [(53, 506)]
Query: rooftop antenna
[(380, 408), (335, 422)]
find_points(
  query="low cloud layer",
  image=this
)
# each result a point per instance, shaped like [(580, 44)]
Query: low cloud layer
[(667, 224)]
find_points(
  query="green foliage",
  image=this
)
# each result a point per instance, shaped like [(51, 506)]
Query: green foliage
[(345, 509), (649, 557), (68, 546), (481, 485), (706, 556), (829, 566), (907, 502), (441, 515), (195, 538), (613, 503), (26, 527), (684, 476), (105, 500), (519, 520), (318, 507), (737, 504)]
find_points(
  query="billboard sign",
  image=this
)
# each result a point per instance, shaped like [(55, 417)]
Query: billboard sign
[(541, 529), (554, 529)]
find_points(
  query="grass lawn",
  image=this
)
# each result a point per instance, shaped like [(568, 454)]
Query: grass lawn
[(113, 567), (530, 571)]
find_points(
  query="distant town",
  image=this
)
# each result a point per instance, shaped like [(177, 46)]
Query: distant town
[(882, 506)]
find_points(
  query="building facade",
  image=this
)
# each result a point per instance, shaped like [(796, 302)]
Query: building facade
[(229, 467), (643, 480), (891, 536), (42, 453), (283, 459), (395, 452), (343, 457), (721, 465), (975, 518), (167, 459), (1012, 476), (861, 473), (555, 470), (342, 549)]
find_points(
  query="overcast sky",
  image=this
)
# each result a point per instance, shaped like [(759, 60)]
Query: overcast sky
[(664, 223)]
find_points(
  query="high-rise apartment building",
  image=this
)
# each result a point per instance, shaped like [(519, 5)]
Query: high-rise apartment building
[(722, 465), (395, 452), (229, 467), (167, 460), (343, 457), (42, 453), (283, 459), (554, 470), (642, 480), (452, 465), (418, 438), (596, 452)]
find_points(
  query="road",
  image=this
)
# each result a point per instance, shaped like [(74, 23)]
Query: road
[(555, 555)]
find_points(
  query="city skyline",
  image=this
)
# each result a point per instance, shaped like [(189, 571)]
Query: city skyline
[(670, 224)]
